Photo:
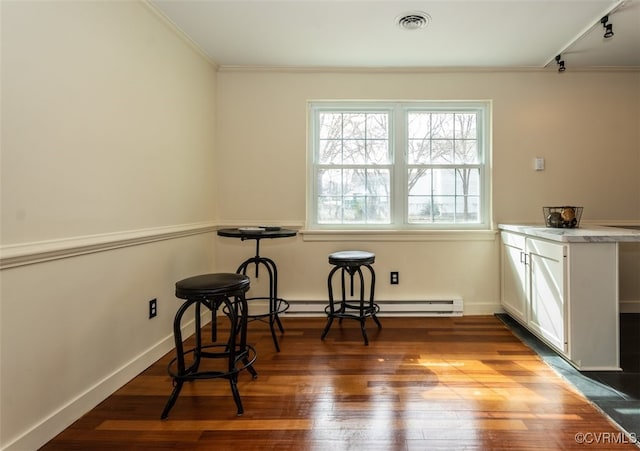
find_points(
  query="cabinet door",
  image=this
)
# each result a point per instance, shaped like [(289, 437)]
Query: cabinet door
[(547, 307), (514, 292)]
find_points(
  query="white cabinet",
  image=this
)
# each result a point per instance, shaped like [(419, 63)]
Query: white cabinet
[(566, 293), (533, 275), (514, 292), (547, 297)]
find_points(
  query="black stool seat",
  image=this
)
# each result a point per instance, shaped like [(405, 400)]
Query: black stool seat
[(206, 285), (212, 291), (351, 263)]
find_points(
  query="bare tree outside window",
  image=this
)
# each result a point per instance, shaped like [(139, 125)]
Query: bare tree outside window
[(353, 182), (443, 174)]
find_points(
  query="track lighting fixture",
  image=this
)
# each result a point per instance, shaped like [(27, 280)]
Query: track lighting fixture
[(608, 33), (608, 28)]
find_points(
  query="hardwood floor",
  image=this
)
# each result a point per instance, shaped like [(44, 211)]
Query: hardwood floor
[(421, 384)]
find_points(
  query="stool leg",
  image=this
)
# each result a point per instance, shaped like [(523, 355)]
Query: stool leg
[(233, 381), (343, 291), (273, 301), (331, 306), (172, 398), (351, 273), (250, 368), (198, 349), (177, 381), (277, 317), (241, 312), (343, 307), (235, 329), (364, 332), (273, 294), (372, 304), (273, 334), (363, 318), (327, 327)]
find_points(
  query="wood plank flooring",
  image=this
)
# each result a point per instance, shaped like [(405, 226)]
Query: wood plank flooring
[(421, 384)]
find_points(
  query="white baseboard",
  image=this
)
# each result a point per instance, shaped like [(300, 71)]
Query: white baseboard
[(485, 308), (55, 423)]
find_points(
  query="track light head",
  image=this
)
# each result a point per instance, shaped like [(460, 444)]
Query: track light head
[(608, 28), (560, 63)]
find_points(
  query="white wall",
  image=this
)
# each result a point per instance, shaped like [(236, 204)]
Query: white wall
[(585, 125), (107, 200), (100, 104)]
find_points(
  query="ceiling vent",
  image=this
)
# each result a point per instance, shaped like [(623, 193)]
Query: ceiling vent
[(413, 20)]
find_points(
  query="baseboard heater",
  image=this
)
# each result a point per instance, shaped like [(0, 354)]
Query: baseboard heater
[(437, 307)]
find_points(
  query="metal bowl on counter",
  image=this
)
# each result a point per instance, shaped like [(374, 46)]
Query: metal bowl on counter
[(562, 217)]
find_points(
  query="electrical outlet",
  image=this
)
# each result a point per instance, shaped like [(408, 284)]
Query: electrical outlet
[(395, 278), (153, 308)]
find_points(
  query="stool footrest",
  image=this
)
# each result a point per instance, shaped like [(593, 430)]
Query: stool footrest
[(366, 312), (281, 307), (246, 358)]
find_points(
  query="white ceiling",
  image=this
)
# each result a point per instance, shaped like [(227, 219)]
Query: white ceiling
[(364, 33)]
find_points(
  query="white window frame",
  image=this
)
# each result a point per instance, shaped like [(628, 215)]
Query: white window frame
[(398, 150)]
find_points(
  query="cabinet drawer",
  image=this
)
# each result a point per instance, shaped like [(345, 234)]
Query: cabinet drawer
[(549, 250), (513, 239)]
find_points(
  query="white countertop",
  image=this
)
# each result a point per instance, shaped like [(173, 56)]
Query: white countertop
[(586, 234)]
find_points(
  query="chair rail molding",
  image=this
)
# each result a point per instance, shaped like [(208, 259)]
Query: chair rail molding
[(22, 254)]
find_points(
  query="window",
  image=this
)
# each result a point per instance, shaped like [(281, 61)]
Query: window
[(403, 165)]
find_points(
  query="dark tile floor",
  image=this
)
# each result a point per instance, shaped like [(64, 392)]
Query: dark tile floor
[(617, 393)]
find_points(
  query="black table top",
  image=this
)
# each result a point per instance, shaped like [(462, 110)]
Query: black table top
[(252, 234)]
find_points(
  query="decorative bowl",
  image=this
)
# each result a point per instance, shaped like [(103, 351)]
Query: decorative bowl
[(562, 217)]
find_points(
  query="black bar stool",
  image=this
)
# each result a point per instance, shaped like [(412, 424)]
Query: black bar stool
[(351, 262), (212, 291), (277, 305)]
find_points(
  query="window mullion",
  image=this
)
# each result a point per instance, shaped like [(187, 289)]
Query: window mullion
[(399, 152)]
